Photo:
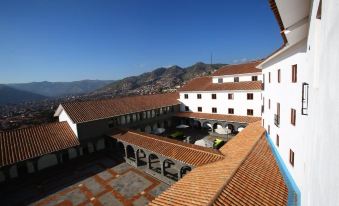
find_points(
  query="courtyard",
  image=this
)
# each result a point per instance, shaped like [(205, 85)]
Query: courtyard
[(98, 181)]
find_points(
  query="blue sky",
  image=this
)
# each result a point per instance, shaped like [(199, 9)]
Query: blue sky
[(68, 40)]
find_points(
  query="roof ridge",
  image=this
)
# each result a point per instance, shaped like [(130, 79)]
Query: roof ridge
[(217, 152), (33, 126)]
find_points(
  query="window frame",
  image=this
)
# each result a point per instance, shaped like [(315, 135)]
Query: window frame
[(294, 73), (250, 96), (293, 116), (199, 109), (230, 95), (236, 79), (254, 78), (214, 96), (214, 110), (198, 96), (185, 96), (230, 109), (250, 111), (291, 157)]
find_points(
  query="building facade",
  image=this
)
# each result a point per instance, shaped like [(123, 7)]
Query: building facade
[(300, 108)]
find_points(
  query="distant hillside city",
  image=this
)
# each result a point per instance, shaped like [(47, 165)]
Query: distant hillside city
[(26, 104)]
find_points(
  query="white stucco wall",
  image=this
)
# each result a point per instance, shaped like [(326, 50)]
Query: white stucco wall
[(222, 103), (315, 138), (64, 117), (289, 96), (242, 77), (322, 153)]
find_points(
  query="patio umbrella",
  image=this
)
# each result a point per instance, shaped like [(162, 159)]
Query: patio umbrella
[(220, 131), (182, 126), (159, 130)]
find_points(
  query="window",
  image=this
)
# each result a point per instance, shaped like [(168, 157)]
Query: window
[(293, 116), (230, 111), (304, 99), (269, 77), (187, 108), (277, 141), (263, 123), (230, 96), (294, 73), (278, 75), (269, 103), (250, 96), (214, 96), (198, 96), (291, 157), (220, 80), (214, 110), (277, 116), (199, 109), (186, 96), (250, 112), (269, 129), (236, 79), (254, 78)]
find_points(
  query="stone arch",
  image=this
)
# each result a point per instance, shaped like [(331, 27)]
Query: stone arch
[(100, 144), (130, 153), (169, 169), (148, 129), (72, 153), (207, 125), (154, 163), (47, 161), (217, 125), (230, 127), (155, 126), (13, 171), (123, 120), (90, 147), (196, 124), (128, 119), (141, 158), (22, 169), (184, 170), (121, 149)]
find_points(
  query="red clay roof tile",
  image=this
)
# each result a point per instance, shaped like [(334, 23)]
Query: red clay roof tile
[(100, 109), (22, 144)]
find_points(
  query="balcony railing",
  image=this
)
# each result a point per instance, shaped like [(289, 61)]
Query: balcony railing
[(277, 120)]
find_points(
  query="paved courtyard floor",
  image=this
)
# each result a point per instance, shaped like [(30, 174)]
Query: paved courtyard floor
[(116, 185)]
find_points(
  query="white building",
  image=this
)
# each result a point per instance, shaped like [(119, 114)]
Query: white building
[(301, 107), (234, 90)]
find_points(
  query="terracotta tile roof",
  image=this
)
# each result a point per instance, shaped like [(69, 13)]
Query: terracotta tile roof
[(223, 117), (100, 109), (238, 69), (190, 154), (248, 164), (205, 84), (22, 144)]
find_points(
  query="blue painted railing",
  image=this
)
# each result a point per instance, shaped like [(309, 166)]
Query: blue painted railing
[(294, 195)]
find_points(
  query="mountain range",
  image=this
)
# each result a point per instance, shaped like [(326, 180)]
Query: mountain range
[(155, 81), (158, 80), (10, 95)]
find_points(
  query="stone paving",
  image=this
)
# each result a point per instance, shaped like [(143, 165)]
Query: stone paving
[(99, 182), (119, 185)]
